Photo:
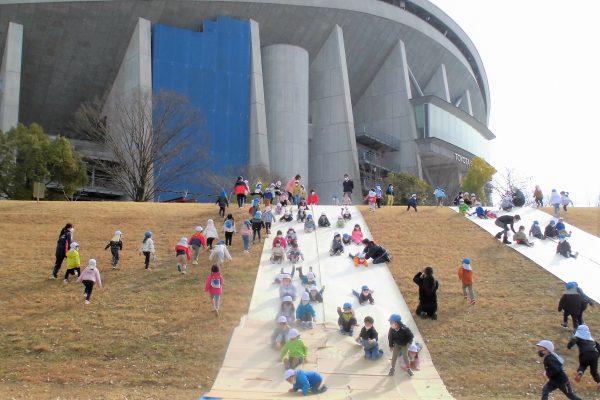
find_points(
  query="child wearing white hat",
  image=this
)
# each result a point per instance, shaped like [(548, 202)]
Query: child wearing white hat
[(279, 335), (287, 309), (588, 353), (294, 352), (115, 244), (413, 357), (308, 279), (89, 277), (182, 255), (197, 242), (73, 262), (315, 295), (305, 313), (553, 366)]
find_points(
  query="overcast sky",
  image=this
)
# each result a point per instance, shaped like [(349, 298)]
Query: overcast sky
[(543, 67)]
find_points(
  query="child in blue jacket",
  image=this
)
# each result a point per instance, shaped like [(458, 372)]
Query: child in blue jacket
[(307, 381), (305, 313)]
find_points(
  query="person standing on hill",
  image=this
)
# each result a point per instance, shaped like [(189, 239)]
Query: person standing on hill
[(389, 193), (440, 195), (348, 187), (504, 222), (289, 188), (89, 277), (65, 238), (412, 202), (197, 242), (240, 189), (115, 244), (465, 276), (428, 287), (147, 249), (538, 195), (214, 287), (555, 201), (565, 200), (553, 370), (570, 305)]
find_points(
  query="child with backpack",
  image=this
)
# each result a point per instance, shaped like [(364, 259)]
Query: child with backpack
[(412, 202), (197, 242), (214, 287), (147, 249), (465, 275), (245, 232), (570, 305), (229, 229), (115, 245), (371, 198), (268, 218), (589, 350), (257, 225), (220, 253), (223, 202)]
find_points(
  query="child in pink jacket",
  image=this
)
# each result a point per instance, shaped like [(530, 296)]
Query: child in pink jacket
[(214, 287), (89, 277), (357, 235)]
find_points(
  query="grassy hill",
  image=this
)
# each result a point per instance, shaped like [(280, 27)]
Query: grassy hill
[(485, 351), (151, 335)]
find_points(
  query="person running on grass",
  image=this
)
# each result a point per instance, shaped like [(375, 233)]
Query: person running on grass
[(553, 370)]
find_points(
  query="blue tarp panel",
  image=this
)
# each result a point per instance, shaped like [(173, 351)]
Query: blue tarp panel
[(211, 68)]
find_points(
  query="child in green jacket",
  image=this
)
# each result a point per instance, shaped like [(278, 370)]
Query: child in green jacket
[(294, 352)]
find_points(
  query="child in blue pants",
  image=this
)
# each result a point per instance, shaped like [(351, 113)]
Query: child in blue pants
[(306, 381), (368, 339)]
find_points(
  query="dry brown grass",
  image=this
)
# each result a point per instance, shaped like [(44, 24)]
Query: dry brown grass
[(145, 335), (485, 351), (587, 219)]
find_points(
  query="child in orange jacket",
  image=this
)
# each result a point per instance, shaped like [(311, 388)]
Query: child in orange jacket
[(465, 275)]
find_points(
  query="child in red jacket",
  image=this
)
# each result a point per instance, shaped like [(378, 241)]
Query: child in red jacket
[(183, 255), (313, 199), (214, 287), (465, 275)]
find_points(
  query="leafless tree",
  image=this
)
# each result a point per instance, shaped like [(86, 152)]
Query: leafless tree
[(509, 181), (154, 140)]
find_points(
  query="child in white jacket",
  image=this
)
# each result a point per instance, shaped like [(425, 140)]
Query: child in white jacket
[(89, 277), (219, 253)]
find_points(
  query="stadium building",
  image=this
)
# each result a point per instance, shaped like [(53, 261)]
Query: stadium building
[(315, 87)]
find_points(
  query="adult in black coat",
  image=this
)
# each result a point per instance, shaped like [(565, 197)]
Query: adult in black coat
[(62, 247), (376, 252), (348, 187), (428, 287), (504, 222)]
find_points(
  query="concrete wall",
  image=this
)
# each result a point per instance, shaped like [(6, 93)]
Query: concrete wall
[(258, 156), (10, 77), (285, 73), (438, 84), (333, 145), (384, 108)]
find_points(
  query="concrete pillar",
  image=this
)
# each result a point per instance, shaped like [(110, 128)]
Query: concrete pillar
[(385, 108), (438, 84), (332, 150), (258, 157), (285, 73), (464, 102), (10, 77)]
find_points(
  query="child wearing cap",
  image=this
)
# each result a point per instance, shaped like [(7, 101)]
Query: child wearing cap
[(463, 208), (268, 218), (257, 225), (115, 244), (399, 338), (359, 258), (73, 262), (287, 216), (413, 356), (371, 199), (287, 309), (364, 296), (521, 238), (357, 235), (553, 370), (564, 248), (324, 221), (412, 202), (305, 313), (222, 202), (182, 255), (536, 231), (550, 230), (346, 239), (147, 249), (245, 232), (210, 233), (368, 338), (315, 295), (308, 279), (277, 253), (562, 228), (220, 253), (229, 229), (347, 320), (301, 215), (306, 381), (346, 214), (465, 275), (278, 209), (214, 287), (588, 353), (570, 305), (197, 241), (337, 247), (309, 224), (89, 277), (294, 253), (280, 333), (287, 288), (294, 351)]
